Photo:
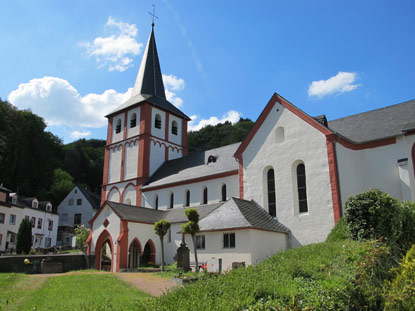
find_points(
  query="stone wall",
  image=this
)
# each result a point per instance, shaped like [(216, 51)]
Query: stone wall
[(51, 263)]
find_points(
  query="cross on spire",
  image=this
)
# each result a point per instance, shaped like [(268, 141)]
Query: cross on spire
[(153, 14)]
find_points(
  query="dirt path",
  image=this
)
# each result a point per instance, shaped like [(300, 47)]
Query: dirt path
[(153, 285)]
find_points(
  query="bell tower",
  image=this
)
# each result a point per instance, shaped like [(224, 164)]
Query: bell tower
[(142, 134)]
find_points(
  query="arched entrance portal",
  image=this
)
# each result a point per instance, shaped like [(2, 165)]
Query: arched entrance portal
[(149, 254), (104, 253), (134, 254)]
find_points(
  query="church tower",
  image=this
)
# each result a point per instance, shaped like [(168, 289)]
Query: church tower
[(144, 132)]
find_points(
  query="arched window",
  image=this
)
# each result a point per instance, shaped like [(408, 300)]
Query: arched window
[(157, 121), (223, 192), (271, 193), (156, 202), (205, 195), (133, 120), (174, 128), (187, 198), (171, 200), (302, 191), (128, 201), (118, 126)]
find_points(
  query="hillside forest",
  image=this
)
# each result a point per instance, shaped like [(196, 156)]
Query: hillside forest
[(36, 163)]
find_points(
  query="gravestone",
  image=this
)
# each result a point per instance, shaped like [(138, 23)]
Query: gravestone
[(183, 256)]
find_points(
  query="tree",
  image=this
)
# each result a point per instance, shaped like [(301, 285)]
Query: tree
[(62, 185), (161, 228), (81, 233), (24, 237), (192, 227)]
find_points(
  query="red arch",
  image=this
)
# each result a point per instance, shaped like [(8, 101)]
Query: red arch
[(139, 245), (103, 237), (125, 188), (118, 193), (153, 251)]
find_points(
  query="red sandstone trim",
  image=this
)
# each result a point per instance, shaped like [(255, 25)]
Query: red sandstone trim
[(192, 181), (334, 177), (125, 188), (122, 246), (241, 176), (106, 161), (368, 145), (410, 132), (122, 163), (184, 137), (125, 125), (103, 194), (114, 187), (89, 242), (140, 249), (103, 237), (264, 114)]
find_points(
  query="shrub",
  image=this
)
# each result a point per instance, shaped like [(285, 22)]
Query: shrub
[(376, 215), (82, 234), (401, 293), (340, 232), (24, 237)]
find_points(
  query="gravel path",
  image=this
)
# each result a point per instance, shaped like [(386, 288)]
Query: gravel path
[(153, 285)]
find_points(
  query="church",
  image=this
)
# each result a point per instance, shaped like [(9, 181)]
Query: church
[(283, 186)]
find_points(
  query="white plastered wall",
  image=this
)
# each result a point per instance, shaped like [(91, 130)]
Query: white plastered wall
[(131, 160), (113, 229), (160, 133), (177, 139), (174, 153), (117, 136), (214, 192), (145, 232), (302, 143), (135, 130), (247, 249), (130, 194), (114, 195), (157, 155), (360, 170), (114, 171)]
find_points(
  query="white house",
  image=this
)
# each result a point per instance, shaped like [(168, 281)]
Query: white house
[(76, 209), (14, 208), (283, 186)]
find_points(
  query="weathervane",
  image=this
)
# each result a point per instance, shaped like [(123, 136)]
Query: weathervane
[(153, 15)]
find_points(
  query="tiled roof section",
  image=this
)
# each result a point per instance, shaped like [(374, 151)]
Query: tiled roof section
[(92, 198), (195, 165), (239, 213), (376, 124), (149, 215)]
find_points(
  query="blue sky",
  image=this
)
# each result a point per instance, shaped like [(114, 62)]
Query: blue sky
[(74, 61)]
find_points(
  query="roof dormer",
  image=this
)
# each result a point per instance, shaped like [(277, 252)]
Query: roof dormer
[(35, 203), (211, 159)]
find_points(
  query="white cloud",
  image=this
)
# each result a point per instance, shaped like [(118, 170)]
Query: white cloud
[(231, 116), (340, 83), (77, 134), (172, 84), (60, 104), (115, 51)]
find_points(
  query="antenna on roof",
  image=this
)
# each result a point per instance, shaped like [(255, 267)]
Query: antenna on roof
[(153, 15)]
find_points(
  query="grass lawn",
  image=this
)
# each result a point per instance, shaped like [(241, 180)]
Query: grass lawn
[(77, 291)]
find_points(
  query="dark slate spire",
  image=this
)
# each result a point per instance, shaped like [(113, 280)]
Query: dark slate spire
[(149, 80)]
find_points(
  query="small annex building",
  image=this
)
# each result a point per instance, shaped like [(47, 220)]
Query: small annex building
[(283, 186)]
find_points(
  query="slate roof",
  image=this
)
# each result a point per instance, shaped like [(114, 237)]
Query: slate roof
[(232, 214), (376, 124), (149, 83), (92, 198), (150, 215), (239, 213), (194, 165)]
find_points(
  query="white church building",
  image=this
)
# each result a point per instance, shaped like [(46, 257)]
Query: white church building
[(284, 186)]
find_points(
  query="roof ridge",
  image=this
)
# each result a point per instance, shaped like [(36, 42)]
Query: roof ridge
[(368, 111)]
